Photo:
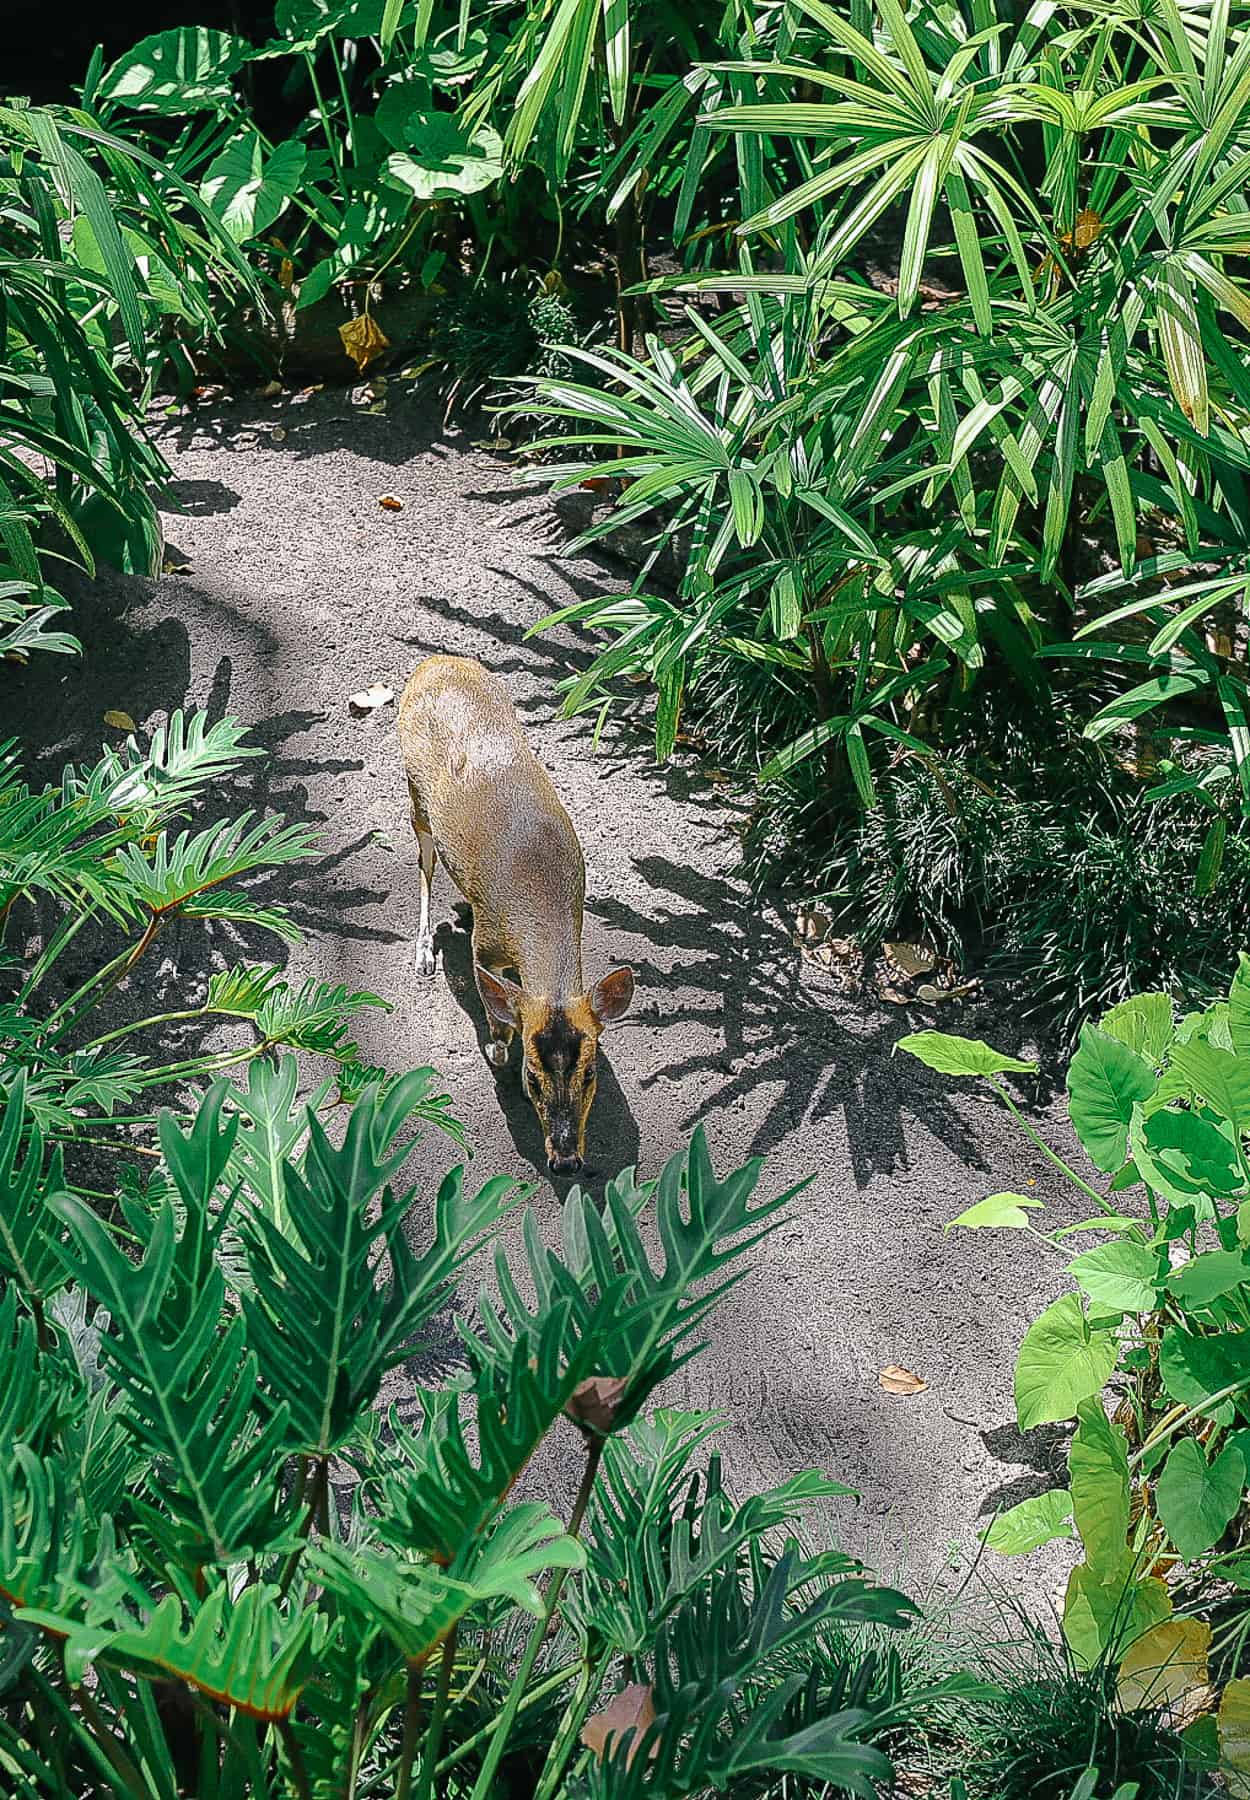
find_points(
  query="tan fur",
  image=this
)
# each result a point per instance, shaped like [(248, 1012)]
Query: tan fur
[(482, 800)]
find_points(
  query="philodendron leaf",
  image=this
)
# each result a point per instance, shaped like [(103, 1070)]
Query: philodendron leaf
[(951, 1055), (1197, 1499), (1105, 1080), (1123, 1276), (1061, 1362), (1239, 1006), (1001, 1211), (1034, 1522), (1098, 1469), (1144, 1024), (248, 187)]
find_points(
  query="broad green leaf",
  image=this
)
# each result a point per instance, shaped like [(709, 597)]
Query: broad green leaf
[(1098, 1472), (1194, 1367), (1219, 1077), (1033, 1522), (1197, 1499), (951, 1055), (1060, 1363), (1105, 1078), (1143, 1023), (248, 188), (1210, 1275), (1109, 1609), (1239, 1006), (186, 70), (1185, 1158), (997, 1210), (1123, 1276), (443, 160)]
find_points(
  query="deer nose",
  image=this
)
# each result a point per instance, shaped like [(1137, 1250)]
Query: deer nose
[(564, 1165)]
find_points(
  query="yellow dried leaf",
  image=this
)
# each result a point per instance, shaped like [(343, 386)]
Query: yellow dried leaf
[(363, 340), (633, 1706), (286, 273), (896, 1380), (1165, 1665), (390, 502), (120, 721)]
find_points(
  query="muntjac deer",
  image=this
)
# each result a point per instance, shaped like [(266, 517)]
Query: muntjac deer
[(483, 803)]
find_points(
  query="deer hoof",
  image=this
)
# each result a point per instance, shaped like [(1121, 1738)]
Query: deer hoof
[(497, 1054), (424, 961)]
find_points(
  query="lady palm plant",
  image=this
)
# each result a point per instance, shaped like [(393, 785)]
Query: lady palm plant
[(188, 1604), (1048, 359)]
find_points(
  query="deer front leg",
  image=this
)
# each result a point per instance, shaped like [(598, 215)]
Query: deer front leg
[(424, 960), (489, 955)]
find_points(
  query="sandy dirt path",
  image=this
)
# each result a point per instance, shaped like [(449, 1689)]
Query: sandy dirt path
[(301, 590)]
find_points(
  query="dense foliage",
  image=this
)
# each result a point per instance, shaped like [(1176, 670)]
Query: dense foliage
[(1159, 1489)]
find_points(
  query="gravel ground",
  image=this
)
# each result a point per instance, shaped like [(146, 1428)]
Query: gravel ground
[(301, 589)]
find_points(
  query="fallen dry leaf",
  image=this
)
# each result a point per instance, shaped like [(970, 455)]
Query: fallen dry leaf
[(363, 340), (813, 925), (912, 959), (390, 502), (270, 390), (892, 995), (369, 699), (497, 443), (278, 434), (900, 1381), (633, 1706), (120, 721), (170, 567), (595, 1402)]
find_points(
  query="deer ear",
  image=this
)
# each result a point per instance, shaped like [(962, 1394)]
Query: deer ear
[(500, 997), (610, 998)]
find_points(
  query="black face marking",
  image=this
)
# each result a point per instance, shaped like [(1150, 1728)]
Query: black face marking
[(559, 1045)]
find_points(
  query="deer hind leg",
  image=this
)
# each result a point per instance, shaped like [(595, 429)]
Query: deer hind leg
[(424, 960)]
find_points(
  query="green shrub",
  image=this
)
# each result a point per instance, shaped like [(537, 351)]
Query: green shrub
[(99, 249), (184, 1598), (1161, 1311)]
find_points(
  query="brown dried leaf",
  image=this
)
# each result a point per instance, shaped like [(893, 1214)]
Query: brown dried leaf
[(633, 1706), (892, 995), (286, 273), (390, 502), (271, 390), (170, 567), (912, 959), (369, 699), (363, 340), (595, 1403), (896, 1380), (120, 721)]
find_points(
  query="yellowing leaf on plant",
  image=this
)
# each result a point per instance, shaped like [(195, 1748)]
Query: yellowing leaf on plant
[(286, 273), (896, 1380), (631, 1709), (120, 721), (1167, 1666), (363, 340), (1234, 1726)]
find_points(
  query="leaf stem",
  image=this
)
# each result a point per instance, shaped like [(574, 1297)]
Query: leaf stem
[(538, 1636), (434, 1736), (299, 1769), (412, 1717), (1170, 1424), (1046, 1150)]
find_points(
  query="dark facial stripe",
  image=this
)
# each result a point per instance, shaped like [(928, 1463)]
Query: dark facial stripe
[(559, 1043)]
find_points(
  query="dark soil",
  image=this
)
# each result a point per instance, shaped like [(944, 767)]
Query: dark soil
[(300, 591)]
